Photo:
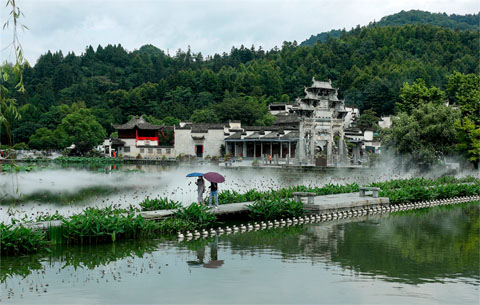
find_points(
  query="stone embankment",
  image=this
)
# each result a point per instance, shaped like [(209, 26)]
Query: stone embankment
[(326, 215)]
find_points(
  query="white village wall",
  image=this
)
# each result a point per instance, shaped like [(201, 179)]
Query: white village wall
[(213, 141), (185, 144)]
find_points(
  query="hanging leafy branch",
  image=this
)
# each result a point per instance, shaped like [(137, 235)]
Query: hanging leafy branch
[(20, 60), (8, 107)]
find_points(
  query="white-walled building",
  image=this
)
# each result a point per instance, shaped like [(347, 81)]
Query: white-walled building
[(199, 140)]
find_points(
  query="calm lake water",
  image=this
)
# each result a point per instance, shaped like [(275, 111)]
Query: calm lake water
[(69, 190), (423, 257)]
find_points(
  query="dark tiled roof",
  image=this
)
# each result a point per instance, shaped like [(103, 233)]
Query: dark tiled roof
[(235, 136), (287, 119), (138, 122), (254, 135), (117, 142), (273, 135), (202, 127), (291, 135)]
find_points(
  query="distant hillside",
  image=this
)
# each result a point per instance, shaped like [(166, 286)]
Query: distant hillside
[(460, 22), (368, 64)]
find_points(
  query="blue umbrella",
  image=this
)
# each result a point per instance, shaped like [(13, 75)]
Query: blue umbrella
[(195, 175)]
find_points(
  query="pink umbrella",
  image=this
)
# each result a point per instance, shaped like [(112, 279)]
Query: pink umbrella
[(214, 177), (213, 264)]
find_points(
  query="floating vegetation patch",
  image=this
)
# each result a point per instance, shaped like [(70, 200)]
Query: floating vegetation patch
[(197, 213), (423, 182), (269, 209), (101, 225), (15, 168), (435, 190), (287, 192), (15, 240), (159, 204), (97, 160)]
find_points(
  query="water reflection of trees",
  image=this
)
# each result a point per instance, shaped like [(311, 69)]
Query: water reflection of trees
[(413, 247), (86, 256), (62, 197)]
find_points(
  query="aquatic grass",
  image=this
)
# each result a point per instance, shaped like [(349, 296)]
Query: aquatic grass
[(196, 213), (228, 196), (419, 193), (423, 182), (266, 209), (104, 225), (159, 204), (19, 240), (15, 168), (401, 190), (50, 217)]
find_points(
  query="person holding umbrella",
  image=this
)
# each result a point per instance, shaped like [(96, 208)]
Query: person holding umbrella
[(200, 189), (214, 178), (213, 193), (200, 185)]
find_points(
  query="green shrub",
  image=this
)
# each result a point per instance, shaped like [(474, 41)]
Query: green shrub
[(13, 168), (266, 209), (20, 146), (18, 240), (198, 214), (159, 204), (100, 225)]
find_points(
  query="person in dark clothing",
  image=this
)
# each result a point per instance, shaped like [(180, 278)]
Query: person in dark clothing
[(213, 194)]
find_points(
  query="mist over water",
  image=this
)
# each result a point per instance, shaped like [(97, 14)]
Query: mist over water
[(70, 190)]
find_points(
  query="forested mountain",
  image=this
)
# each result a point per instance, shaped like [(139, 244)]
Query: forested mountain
[(369, 65), (454, 22)]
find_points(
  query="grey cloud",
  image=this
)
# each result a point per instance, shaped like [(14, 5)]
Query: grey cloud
[(207, 26)]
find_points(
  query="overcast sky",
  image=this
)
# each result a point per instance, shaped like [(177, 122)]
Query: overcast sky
[(206, 26)]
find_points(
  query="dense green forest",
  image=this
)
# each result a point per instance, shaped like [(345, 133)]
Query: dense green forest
[(369, 65), (454, 22)]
